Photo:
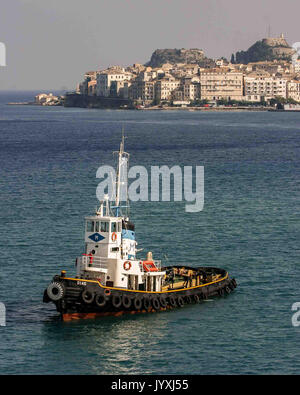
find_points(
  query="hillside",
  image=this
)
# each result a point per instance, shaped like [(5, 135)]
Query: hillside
[(196, 56), (268, 49)]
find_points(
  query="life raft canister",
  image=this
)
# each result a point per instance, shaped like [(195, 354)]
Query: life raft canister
[(127, 265), (114, 236), (149, 266)]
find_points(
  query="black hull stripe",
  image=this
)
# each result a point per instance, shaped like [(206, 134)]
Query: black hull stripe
[(147, 292)]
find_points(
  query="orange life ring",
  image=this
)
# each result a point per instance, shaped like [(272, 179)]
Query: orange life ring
[(114, 236), (127, 265)]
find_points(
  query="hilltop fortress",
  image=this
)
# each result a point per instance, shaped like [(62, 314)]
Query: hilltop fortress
[(268, 49), (279, 46)]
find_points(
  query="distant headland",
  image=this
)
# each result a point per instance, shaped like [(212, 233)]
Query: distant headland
[(262, 77)]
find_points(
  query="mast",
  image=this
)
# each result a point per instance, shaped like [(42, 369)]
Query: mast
[(119, 170), (123, 159)]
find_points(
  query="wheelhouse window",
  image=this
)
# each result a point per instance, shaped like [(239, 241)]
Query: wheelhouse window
[(119, 227), (113, 226), (90, 226), (104, 226), (97, 226)]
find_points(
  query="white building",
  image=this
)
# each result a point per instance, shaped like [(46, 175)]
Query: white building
[(164, 88), (296, 65), (293, 90), (221, 83), (142, 90), (191, 90), (105, 78), (265, 86)]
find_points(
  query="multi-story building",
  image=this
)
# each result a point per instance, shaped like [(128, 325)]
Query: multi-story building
[(126, 89), (191, 90), (164, 88), (187, 91), (105, 78), (293, 90), (296, 66), (265, 86), (88, 86), (220, 83), (83, 87), (142, 90), (116, 88), (92, 87)]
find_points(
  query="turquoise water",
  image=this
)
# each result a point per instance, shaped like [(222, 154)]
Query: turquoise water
[(249, 226)]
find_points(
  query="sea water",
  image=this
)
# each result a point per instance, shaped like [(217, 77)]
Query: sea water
[(249, 225)]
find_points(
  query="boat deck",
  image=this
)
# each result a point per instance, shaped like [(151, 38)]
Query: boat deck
[(184, 277)]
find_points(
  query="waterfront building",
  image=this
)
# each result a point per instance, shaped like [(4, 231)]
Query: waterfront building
[(92, 88), (164, 88), (191, 89), (83, 87), (116, 88), (41, 98), (264, 85), (45, 99), (142, 90), (221, 83), (293, 90), (105, 78), (253, 98), (87, 87)]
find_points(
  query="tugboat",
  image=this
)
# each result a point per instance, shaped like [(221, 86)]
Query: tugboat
[(111, 280)]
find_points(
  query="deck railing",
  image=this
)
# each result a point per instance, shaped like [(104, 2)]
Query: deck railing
[(88, 261), (95, 262), (158, 265)]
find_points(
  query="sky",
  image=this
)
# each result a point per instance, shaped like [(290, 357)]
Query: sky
[(51, 43)]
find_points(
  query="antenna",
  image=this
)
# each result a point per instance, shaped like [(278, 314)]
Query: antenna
[(123, 159)]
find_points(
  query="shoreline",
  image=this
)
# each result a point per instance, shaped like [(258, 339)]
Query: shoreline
[(115, 103), (205, 109), (154, 108)]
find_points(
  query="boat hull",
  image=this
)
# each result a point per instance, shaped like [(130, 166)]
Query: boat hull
[(82, 298)]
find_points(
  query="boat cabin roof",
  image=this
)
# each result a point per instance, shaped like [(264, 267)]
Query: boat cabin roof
[(98, 218)]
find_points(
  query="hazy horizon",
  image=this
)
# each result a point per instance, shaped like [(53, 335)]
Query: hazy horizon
[(51, 44)]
